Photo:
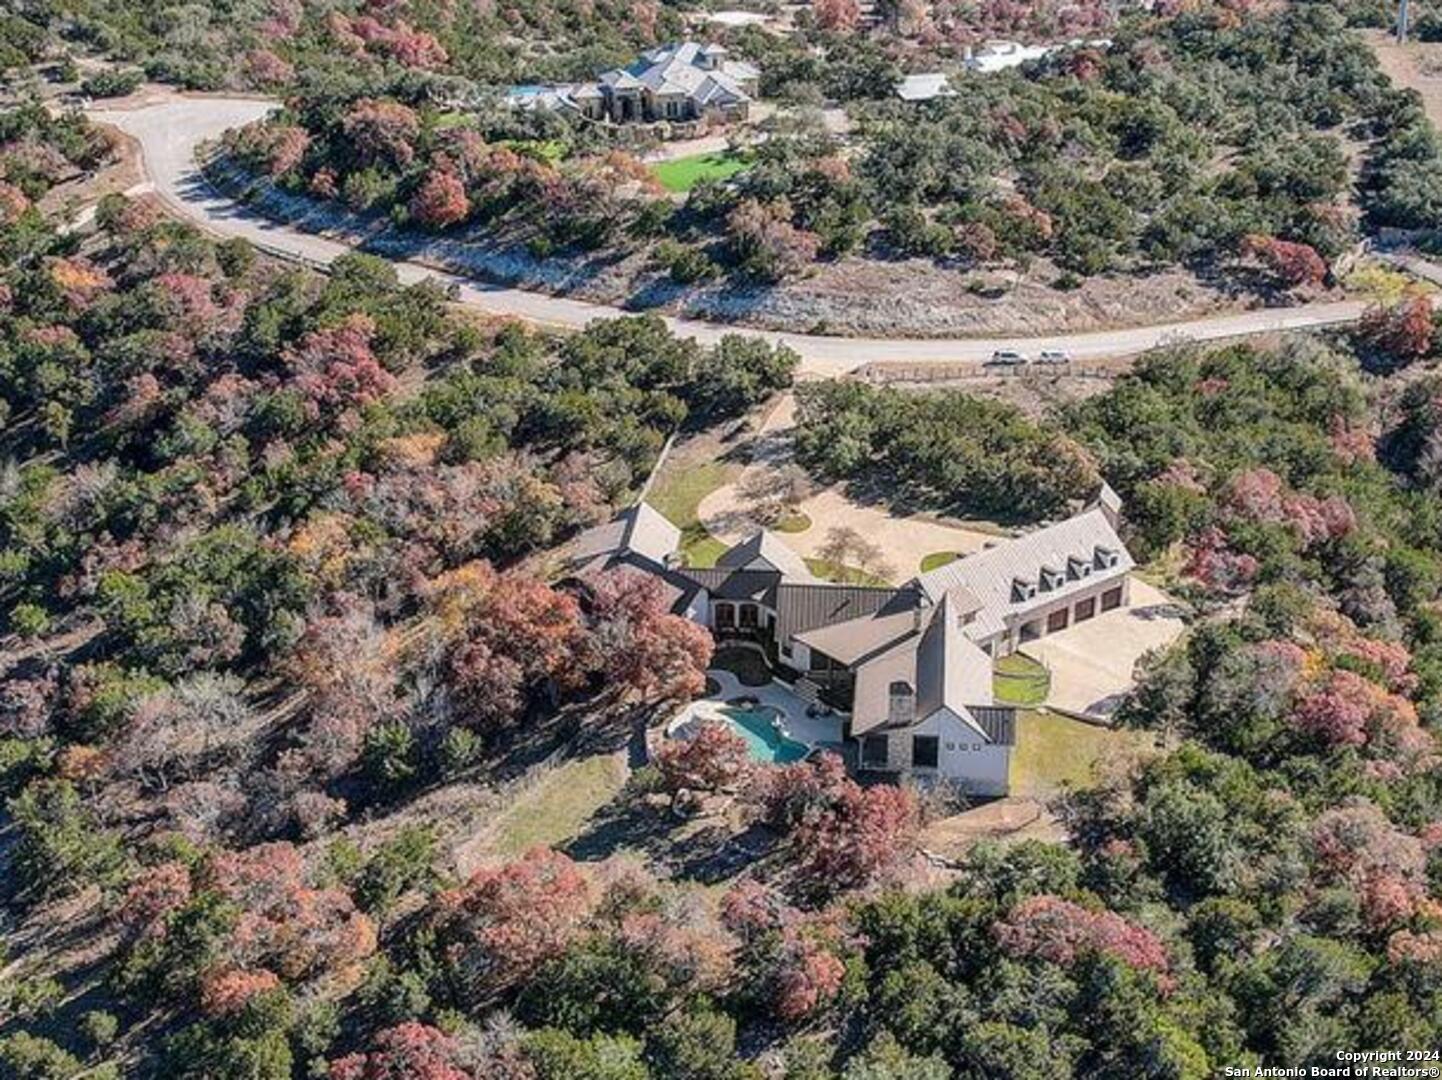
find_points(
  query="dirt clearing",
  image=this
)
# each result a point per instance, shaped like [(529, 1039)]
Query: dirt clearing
[(1416, 65)]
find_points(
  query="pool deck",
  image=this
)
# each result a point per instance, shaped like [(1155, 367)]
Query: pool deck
[(811, 730)]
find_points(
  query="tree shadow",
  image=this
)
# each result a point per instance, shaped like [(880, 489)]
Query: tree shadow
[(706, 850)]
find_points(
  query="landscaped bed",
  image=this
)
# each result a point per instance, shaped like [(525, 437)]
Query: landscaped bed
[(680, 175), (938, 559), (748, 665), (1019, 680)]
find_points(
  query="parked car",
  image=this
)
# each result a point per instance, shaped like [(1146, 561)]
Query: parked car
[(1006, 358), (1053, 356)]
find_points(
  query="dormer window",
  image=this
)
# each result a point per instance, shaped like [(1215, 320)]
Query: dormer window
[(1105, 558), (1050, 579), (1021, 589), (1076, 568)]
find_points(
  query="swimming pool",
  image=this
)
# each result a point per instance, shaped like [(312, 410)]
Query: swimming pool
[(755, 725)]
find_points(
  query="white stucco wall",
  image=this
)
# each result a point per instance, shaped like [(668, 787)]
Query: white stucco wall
[(962, 755)]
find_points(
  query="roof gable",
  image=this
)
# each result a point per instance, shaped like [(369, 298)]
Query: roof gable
[(765, 550)]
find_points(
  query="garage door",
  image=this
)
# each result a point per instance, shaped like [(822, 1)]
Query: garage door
[(1112, 598)]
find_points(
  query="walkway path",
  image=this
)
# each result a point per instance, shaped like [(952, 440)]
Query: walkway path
[(169, 130)]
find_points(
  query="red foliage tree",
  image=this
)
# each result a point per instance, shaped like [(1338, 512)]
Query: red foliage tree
[(812, 977), (1358, 845), (1293, 264), (712, 758), (159, 891), (383, 131), (488, 684), (286, 925), (841, 15), (337, 371), (13, 203), (440, 201), (866, 831), (265, 69), (226, 992), (505, 920), (1403, 332), (794, 794), (768, 243), (409, 1051), (842, 833), (794, 960), (540, 627), (1059, 931), (644, 650)]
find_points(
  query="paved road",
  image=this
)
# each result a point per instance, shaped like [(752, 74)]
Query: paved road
[(169, 130)]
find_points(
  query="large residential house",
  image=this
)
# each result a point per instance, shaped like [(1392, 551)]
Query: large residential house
[(680, 82), (909, 667)]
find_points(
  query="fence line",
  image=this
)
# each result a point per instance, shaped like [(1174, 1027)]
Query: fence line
[(946, 371)]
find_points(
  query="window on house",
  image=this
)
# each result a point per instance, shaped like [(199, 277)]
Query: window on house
[(1022, 590), (748, 616), (875, 751), (725, 616), (1050, 579), (924, 751), (1077, 569), (1105, 558)]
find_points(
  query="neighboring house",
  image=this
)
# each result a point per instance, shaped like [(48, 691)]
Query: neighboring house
[(999, 55), (924, 87), (909, 666), (687, 81), (992, 57)]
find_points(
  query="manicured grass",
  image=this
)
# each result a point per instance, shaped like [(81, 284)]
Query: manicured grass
[(1052, 750), (844, 575), (678, 494), (939, 559), (682, 174), (561, 803), (1020, 680), (794, 522)]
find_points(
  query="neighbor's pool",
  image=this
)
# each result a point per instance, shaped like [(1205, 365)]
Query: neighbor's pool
[(764, 741)]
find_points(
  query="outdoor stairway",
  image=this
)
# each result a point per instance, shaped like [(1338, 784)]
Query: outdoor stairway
[(807, 691)]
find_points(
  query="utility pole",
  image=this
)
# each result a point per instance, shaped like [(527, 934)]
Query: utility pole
[(1402, 21)]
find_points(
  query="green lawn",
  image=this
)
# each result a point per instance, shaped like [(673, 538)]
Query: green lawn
[(1052, 750), (560, 804), (939, 559), (682, 174), (1020, 680), (678, 494), (794, 522)]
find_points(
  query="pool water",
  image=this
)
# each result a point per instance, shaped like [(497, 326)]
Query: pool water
[(763, 740)]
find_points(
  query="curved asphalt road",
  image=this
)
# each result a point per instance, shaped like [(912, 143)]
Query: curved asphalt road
[(168, 132)]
